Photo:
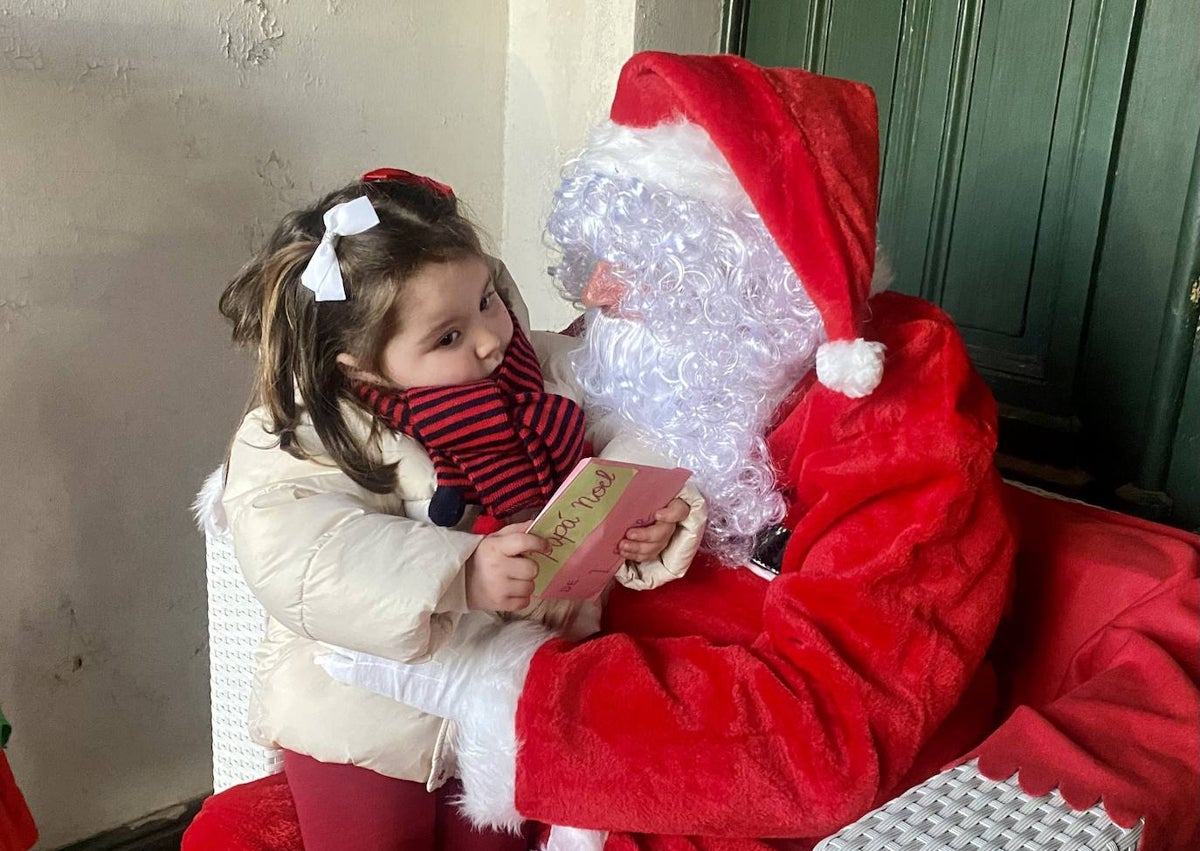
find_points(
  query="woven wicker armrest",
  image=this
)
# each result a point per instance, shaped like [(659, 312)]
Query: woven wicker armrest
[(960, 808), (236, 622)]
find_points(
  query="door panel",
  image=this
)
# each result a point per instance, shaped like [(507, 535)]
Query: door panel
[(988, 269)]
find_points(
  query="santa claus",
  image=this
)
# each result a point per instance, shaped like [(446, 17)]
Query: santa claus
[(720, 230)]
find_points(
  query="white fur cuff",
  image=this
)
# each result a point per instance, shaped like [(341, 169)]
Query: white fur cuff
[(475, 681), (575, 839), (486, 731)]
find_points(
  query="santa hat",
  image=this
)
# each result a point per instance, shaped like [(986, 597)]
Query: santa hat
[(805, 150)]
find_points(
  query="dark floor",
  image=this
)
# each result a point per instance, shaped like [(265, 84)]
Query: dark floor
[(1057, 459), (153, 834)]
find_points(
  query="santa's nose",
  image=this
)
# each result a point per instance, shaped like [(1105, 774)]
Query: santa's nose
[(603, 289)]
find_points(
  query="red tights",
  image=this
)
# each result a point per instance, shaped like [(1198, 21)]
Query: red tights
[(345, 806)]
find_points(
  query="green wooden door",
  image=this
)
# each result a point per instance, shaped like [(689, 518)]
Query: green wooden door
[(997, 122)]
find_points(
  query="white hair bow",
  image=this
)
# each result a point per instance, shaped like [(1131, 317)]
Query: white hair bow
[(322, 275)]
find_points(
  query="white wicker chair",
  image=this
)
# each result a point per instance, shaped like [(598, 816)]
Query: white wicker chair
[(960, 808), (236, 622), (957, 809)]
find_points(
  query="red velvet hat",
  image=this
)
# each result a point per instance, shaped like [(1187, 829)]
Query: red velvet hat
[(806, 150)]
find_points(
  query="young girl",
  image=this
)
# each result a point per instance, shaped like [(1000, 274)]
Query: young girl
[(397, 399)]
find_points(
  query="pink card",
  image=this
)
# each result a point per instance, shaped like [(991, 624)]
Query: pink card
[(588, 516)]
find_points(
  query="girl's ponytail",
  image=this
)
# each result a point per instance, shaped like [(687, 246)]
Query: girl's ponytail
[(262, 304)]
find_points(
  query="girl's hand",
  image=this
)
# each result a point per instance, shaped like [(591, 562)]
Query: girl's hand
[(646, 543), (499, 576)]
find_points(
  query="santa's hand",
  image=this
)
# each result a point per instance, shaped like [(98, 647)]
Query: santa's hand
[(475, 681), (436, 687)]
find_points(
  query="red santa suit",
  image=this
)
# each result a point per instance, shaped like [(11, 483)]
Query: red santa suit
[(729, 706)]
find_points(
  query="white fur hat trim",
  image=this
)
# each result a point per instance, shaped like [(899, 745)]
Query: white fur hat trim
[(678, 156)]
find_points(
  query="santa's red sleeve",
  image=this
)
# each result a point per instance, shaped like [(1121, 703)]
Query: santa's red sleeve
[(892, 585)]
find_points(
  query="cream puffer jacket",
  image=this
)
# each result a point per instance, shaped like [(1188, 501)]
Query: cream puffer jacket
[(333, 563)]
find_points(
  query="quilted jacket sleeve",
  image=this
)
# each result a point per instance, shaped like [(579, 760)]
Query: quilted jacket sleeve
[(893, 583), (328, 560)]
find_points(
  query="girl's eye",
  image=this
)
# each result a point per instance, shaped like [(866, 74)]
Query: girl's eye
[(449, 339), (487, 301)]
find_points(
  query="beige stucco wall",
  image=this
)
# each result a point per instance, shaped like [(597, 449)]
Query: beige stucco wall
[(691, 26), (145, 145), (563, 61)]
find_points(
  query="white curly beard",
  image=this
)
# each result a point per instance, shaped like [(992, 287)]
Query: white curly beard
[(721, 332), (714, 430)]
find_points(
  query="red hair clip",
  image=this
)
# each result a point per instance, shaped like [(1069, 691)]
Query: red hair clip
[(407, 177)]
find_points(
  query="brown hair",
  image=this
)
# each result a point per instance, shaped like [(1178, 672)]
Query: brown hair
[(298, 339)]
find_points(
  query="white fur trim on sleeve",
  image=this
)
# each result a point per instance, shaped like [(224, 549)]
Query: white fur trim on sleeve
[(853, 368), (474, 681), (207, 507), (575, 839), (485, 732)]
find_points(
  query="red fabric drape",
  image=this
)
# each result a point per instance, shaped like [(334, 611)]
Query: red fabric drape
[(1101, 659), (17, 830), (257, 816)]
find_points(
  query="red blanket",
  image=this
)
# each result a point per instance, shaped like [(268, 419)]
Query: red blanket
[(1102, 662), (17, 831)]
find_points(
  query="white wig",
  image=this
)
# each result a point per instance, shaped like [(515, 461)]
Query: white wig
[(721, 327)]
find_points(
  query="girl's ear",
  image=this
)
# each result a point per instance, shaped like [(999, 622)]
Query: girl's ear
[(353, 370)]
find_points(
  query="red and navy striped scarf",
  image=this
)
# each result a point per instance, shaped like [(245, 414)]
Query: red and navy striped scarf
[(504, 441)]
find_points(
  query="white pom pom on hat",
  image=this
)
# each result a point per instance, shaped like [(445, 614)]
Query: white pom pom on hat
[(805, 148), (854, 368)]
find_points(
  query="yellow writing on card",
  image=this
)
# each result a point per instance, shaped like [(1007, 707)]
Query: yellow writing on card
[(575, 512)]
